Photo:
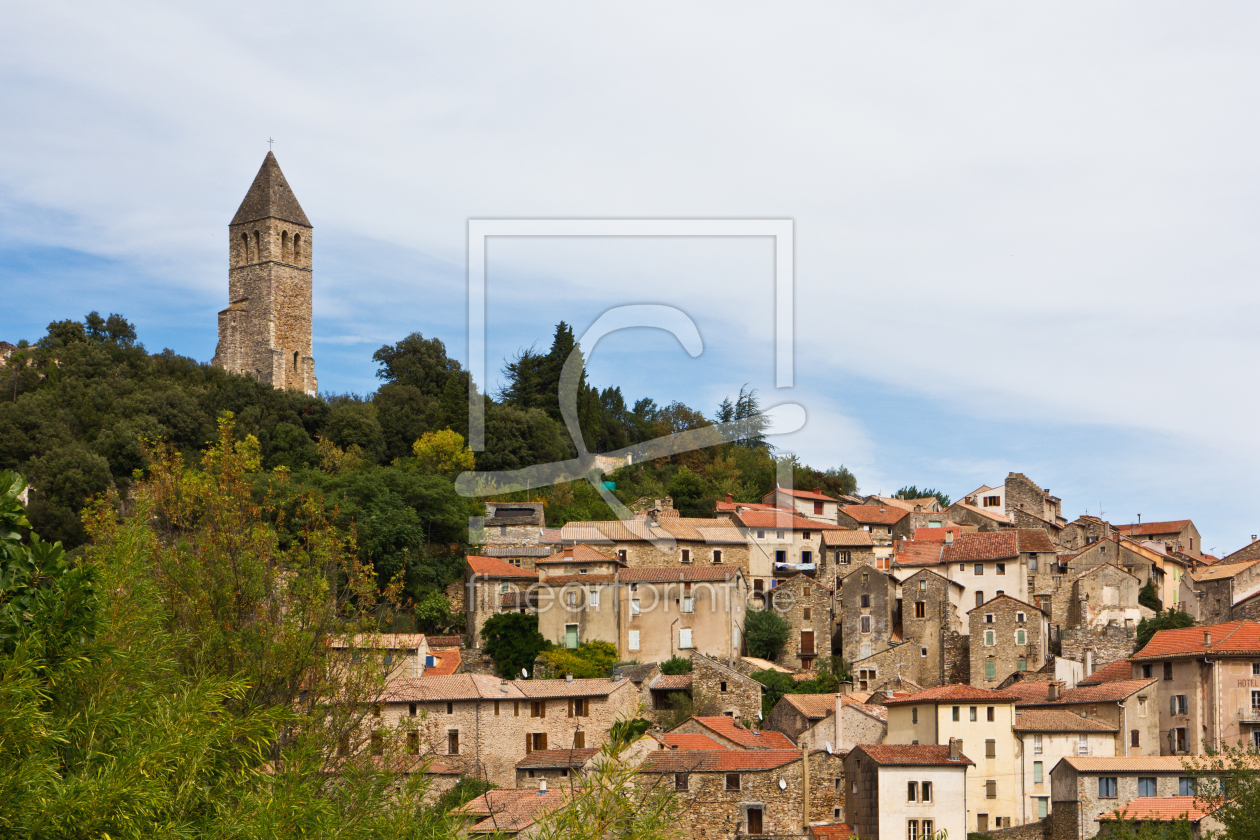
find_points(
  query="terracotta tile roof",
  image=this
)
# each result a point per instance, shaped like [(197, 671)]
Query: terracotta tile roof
[(800, 494), (812, 706), (583, 553), (378, 641), (1108, 692), (912, 755), (875, 515), (1237, 638), (565, 688), (839, 831), (765, 739), (699, 571), (709, 531), (989, 514), (1152, 528), (784, 520), (688, 741), (1163, 808), (1126, 763), (733, 506), (446, 662), (1223, 570), (765, 665), (550, 536), (517, 551), (717, 761), (492, 567), (546, 759), (1029, 691), (878, 712), (843, 537), (445, 642), (923, 502), (511, 810), (1057, 720), (672, 682), (453, 687), (913, 553), (1118, 670), (950, 693)]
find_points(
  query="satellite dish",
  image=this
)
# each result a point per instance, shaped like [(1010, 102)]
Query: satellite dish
[(524, 673), (829, 750), (759, 716), (782, 785)]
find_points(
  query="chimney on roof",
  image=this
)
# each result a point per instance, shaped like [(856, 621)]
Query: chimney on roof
[(1207, 638), (954, 752), (729, 499), (542, 787), (568, 678), (503, 686), (1055, 685), (818, 490), (949, 537)]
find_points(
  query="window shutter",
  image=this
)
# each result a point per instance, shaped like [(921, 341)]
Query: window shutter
[(570, 707), (544, 739), (634, 640), (1172, 705), (684, 637), (542, 710), (529, 743)]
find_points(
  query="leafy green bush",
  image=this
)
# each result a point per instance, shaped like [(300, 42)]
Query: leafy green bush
[(765, 633), (590, 660), (676, 665), (512, 640), (1169, 619)]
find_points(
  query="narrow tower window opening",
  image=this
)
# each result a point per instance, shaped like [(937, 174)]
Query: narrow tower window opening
[(284, 245), (295, 362), (244, 247), (297, 248), (257, 247)]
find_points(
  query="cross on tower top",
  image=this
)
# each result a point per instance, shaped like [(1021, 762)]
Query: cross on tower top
[(269, 142)]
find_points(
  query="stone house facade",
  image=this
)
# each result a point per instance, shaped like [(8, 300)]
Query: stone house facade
[(1022, 494), (811, 504), (893, 790), (807, 606), (485, 725), (1128, 705), (844, 550), (811, 721), (517, 533), (734, 793), (885, 523), (1177, 535), (781, 544), (659, 538), (1083, 531), (1007, 635), (265, 332), (1210, 593), (558, 768), (867, 610), (1085, 787), (736, 695), (492, 586), (401, 655)]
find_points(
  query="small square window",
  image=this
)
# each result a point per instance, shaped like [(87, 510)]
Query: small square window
[(732, 781)]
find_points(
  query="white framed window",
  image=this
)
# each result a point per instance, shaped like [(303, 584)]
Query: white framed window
[(778, 535), (634, 606), (634, 640), (594, 597), (761, 534), (1019, 617), (688, 603), (684, 638), (1037, 745)]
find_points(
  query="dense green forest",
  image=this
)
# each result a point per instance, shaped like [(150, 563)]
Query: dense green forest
[(81, 407)]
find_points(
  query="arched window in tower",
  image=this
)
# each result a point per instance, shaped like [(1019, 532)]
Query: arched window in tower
[(284, 245), (244, 247), (297, 249), (257, 247)]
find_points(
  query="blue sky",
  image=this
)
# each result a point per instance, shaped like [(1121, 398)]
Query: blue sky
[(1024, 235)]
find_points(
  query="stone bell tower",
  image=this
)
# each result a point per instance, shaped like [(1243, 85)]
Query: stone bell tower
[(266, 330)]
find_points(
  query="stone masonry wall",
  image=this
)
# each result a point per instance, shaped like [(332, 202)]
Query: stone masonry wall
[(806, 606), (732, 690), (1005, 653), (1108, 644)]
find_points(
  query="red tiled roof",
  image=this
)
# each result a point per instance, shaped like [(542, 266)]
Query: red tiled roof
[(700, 571), (875, 515), (453, 687), (1118, 670), (1236, 638), (511, 810), (1152, 528), (1108, 692), (781, 519), (544, 759), (445, 642), (1056, 720), (568, 688), (445, 663), (813, 706), (672, 682), (690, 741), (916, 553), (731, 506), (989, 603), (1224, 570), (1029, 691), (1127, 763), (492, 567), (800, 494), (717, 761), (583, 553), (948, 693), (839, 831), (847, 537), (912, 755), (1163, 808), (765, 739)]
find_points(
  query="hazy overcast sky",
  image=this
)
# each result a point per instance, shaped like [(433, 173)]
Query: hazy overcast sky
[(1025, 233)]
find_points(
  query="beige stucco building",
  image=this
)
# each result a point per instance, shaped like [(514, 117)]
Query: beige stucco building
[(907, 791), (1048, 735)]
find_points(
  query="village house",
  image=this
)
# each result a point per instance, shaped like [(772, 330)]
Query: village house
[(807, 606), (1007, 635), (811, 504), (811, 721), (926, 645), (884, 523), (660, 537), (485, 724), (1157, 812), (981, 720), (511, 812), (1144, 561), (1048, 735), (400, 654), (1211, 593), (983, 519), (517, 533), (494, 586), (867, 610), (1083, 531), (713, 687), (911, 791), (782, 544), (1127, 705), (1177, 535), (731, 734), (991, 564), (1085, 788), (740, 792), (844, 550), (1208, 680), (553, 769)]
